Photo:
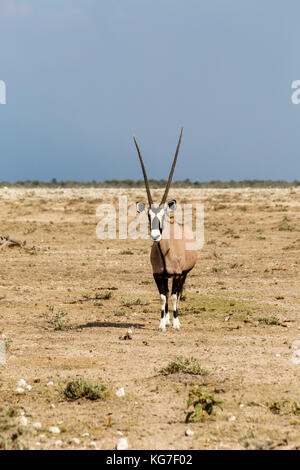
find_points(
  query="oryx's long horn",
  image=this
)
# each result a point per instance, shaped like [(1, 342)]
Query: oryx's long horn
[(171, 172), (144, 173)]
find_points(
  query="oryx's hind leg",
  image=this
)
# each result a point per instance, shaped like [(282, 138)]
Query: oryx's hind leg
[(174, 298), (167, 315), (162, 285), (177, 286), (180, 287)]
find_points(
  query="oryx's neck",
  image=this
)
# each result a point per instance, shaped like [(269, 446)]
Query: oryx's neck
[(172, 230)]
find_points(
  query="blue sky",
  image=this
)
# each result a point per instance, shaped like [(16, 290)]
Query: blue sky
[(84, 76)]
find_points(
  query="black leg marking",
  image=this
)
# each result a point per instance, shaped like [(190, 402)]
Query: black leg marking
[(166, 293), (162, 285), (175, 284), (181, 284), (177, 287)]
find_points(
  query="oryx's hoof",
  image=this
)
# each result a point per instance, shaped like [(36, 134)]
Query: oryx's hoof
[(162, 325), (161, 329), (176, 324)]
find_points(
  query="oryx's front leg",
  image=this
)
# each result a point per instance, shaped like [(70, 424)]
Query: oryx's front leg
[(177, 286), (176, 322), (162, 285), (174, 298)]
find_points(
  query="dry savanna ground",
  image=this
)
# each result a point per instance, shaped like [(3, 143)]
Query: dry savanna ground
[(67, 300)]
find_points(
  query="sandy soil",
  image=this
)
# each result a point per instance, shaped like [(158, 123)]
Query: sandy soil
[(247, 277)]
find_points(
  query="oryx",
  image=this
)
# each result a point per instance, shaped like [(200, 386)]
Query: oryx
[(173, 253)]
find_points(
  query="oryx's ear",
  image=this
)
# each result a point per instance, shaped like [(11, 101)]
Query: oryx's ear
[(172, 205), (140, 207)]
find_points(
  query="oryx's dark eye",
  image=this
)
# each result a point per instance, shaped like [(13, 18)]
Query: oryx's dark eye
[(172, 205)]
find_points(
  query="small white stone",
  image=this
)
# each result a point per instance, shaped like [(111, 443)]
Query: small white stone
[(29, 387), (58, 443), (242, 405), (296, 344), (189, 432), (227, 318), (76, 441), (22, 413), (120, 392), (129, 331), (49, 384), (20, 390), (119, 433), (54, 429), (37, 425), (21, 383), (37, 443), (93, 444), (85, 434), (23, 421), (122, 444), (277, 355), (232, 418), (52, 406)]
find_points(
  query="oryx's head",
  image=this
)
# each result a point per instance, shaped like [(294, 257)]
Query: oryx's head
[(157, 212)]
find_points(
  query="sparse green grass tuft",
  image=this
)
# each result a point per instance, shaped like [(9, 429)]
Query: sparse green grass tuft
[(98, 296), (284, 406), (276, 406), (79, 388), (270, 321), (128, 303), (120, 312), (10, 432), (231, 303), (231, 233), (200, 404), (58, 320), (218, 269), (295, 408), (285, 226), (185, 365), (12, 410)]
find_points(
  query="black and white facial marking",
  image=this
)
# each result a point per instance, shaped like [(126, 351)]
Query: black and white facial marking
[(156, 215)]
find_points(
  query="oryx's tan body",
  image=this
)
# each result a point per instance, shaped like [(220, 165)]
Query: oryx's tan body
[(175, 254)]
